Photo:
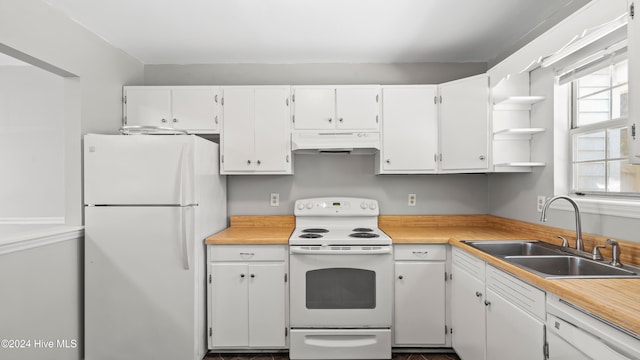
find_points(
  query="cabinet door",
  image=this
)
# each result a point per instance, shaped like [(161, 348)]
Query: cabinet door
[(464, 124), (267, 305), (419, 312), (409, 132), (314, 108), (357, 108), (230, 301), (148, 106), (468, 315), (272, 129), (194, 109), (633, 33), (237, 140), (511, 332)]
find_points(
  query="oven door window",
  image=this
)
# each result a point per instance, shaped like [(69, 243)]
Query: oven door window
[(340, 288)]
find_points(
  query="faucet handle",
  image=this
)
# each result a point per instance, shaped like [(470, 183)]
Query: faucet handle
[(596, 254), (565, 242)]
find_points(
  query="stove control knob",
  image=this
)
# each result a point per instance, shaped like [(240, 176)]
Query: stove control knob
[(372, 206), (364, 205), (300, 206), (309, 205)]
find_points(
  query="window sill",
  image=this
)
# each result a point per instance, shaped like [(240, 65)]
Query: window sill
[(612, 207)]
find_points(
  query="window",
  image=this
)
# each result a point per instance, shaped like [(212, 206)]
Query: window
[(599, 133)]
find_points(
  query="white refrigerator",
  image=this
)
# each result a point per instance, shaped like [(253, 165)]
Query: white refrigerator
[(150, 201)]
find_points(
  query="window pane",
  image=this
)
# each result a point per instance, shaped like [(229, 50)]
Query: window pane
[(594, 108), (589, 146), (617, 143), (620, 103), (597, 81), (620, 73), (590, 176), (623, 177)]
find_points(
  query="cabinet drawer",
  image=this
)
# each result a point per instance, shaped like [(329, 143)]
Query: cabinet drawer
[(247, 253), (516, 291), (420, 252), (469, 263)]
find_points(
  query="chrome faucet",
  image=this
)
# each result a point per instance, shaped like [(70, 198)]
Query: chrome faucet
[(543, 217)]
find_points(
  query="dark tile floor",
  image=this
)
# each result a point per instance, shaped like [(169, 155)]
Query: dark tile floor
[(284, 356)]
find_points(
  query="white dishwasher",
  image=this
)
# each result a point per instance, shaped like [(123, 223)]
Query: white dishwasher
[(574, 334)]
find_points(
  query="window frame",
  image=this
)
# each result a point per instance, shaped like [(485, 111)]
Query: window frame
[(605, 126)]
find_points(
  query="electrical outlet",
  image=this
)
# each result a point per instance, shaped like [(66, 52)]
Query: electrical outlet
[(275, 199), (412, 200), (541, 200)]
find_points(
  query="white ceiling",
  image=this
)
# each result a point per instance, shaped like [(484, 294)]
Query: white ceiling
[(317, 31)]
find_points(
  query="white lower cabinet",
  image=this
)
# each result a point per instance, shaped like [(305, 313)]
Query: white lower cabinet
[(495, 315), (247, 296), (420, 296)]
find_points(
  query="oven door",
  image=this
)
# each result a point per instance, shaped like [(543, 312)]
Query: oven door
[(341, 286)]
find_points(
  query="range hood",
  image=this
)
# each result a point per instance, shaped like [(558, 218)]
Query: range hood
[(319, 142)]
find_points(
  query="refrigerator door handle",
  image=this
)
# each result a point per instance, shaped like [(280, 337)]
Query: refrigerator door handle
[(185, 182), (184, 244), (185, 158)]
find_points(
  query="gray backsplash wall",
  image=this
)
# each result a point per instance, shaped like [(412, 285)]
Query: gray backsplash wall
[(340, 175), (353, 175)]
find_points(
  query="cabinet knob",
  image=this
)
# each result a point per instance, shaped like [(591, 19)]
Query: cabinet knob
[(341, 119), (330, 119), (388, 161), (478, 294), (258, 162), (242, 275), (253, 276), (163, 120), (482, 157), (248, 162), (175, 120), (400, 277), (487, 303)]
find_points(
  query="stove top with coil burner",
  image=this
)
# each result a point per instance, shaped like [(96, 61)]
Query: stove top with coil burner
[(337, 221)]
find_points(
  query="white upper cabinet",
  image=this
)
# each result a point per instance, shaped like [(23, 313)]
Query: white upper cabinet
[(409, 130), (256, 134), (633, 29), (336, 107), (464, 125), (192, 108)]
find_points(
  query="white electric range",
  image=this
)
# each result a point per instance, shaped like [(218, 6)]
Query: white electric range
[(341, 269)]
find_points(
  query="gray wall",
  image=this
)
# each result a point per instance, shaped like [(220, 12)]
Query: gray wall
[(343, 175), (309, 74), (31, 144), (94, 72), (514, 195), (42, 300), (353, 175)]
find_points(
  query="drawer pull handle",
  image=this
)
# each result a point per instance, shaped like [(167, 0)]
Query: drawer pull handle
[(420, 252), (247, 254)]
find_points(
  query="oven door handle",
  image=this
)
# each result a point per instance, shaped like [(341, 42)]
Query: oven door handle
[(381, 251)]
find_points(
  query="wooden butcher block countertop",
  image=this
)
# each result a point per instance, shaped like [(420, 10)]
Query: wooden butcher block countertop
[(255, 230), (615, 300)]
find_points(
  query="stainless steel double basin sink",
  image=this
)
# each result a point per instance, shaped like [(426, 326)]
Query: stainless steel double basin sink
[(551, 261)]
